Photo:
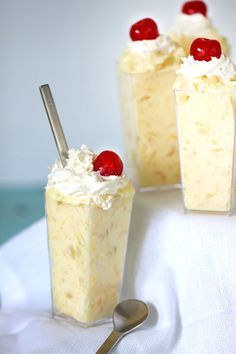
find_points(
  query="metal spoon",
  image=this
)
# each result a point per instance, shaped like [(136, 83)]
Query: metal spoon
[(128, 315), (55, 123)]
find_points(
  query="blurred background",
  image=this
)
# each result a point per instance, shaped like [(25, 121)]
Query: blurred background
[(73, 45)]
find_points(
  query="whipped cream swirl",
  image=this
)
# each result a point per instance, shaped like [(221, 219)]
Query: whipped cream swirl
[(162, 44), (79, 179), (192, 25), (222, 68)]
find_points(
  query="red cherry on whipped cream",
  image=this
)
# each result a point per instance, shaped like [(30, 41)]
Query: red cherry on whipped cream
[(144, 29), (108, 163), (205, 49), (194, 7)]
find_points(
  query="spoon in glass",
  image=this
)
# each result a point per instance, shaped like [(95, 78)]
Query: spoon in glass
[(128, 315), (55, 123)]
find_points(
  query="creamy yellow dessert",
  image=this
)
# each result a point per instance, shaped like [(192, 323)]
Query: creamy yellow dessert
[(191, 24), (88, 218), (146, 73), (206, 103)]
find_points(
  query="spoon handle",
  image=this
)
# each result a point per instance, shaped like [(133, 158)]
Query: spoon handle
[(110, 342), (54, 122)]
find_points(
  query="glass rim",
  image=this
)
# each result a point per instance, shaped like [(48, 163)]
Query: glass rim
[(156, 72), (215, 92)]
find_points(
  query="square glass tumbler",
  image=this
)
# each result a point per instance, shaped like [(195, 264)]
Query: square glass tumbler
[(150, 132), (87, 247), (206, 131)]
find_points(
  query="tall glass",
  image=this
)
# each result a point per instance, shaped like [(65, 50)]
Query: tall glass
[(87, 247), (150, 127), (206, 130)]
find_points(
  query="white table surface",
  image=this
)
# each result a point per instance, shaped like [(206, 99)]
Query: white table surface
[(183, 266)]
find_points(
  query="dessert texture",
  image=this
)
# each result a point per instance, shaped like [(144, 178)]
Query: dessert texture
[(88, 221), (206, 106), (147, 72), (186, 28)]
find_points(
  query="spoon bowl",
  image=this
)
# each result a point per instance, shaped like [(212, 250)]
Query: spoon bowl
[(128, 315)]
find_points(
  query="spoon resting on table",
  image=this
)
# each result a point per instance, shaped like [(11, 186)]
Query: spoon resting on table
[(128, 315)]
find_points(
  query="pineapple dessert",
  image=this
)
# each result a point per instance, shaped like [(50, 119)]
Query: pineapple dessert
[(206, 110), (146, 73), (193, 22), (88, 206)]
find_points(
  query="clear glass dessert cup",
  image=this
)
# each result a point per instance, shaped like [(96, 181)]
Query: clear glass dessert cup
[(150, 131), (87, 247), (206, 134)]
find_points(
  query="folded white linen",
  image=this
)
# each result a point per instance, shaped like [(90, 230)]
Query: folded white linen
[(182, 265)]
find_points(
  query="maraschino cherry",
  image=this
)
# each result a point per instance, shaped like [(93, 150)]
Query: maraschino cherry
[(108, 163), (144, 29), (194, 7), (205, 49)]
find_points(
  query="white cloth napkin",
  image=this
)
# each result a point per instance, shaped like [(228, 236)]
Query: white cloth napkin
[(183, 266)]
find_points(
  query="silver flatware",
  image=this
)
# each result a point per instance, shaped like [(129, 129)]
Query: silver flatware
[(55, 123), (128, 315)]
